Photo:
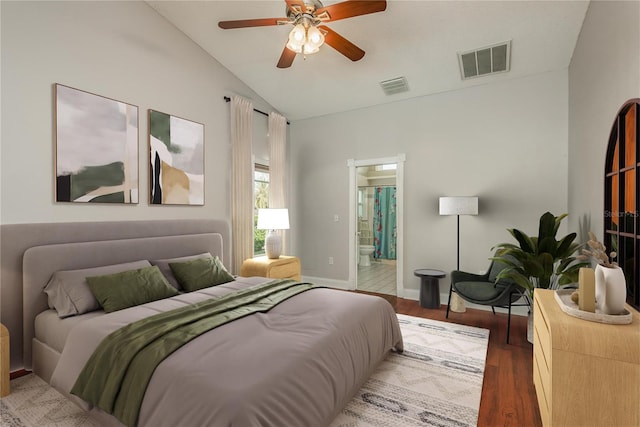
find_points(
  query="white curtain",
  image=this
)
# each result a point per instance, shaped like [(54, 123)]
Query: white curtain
[(241, 181), (277, 165)]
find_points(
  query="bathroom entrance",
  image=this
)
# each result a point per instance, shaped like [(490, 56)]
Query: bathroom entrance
[(377, 225)]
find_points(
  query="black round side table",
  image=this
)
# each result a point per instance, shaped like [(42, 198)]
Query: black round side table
[(429, 287)]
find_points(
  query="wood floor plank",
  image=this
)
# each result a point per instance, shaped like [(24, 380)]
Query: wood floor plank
[(508, 395)]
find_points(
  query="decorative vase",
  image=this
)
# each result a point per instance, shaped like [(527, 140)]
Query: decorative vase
[(457, 303), (611, 289)]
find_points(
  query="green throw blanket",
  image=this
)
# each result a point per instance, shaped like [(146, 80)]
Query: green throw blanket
[(116, 376)]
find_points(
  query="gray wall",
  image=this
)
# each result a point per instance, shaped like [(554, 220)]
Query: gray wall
[(505, 142), (603, 74), (122, 50)]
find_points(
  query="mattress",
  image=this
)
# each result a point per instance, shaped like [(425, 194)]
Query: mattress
[(53, 331)]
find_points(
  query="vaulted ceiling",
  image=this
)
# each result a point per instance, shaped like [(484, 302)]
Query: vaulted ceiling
[(418, 40)]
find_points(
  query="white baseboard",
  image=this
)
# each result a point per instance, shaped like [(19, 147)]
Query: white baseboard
[(414, 294)]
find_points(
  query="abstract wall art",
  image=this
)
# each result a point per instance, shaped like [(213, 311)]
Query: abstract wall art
[(176, 149), (96, 148)]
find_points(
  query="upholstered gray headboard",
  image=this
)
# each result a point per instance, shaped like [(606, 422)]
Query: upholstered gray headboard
[(15, 239), (40, 262)]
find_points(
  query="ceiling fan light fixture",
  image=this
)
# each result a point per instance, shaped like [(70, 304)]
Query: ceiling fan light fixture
[(308, 50), (294, 47), (305, 39), (314, 37), (298, 34)]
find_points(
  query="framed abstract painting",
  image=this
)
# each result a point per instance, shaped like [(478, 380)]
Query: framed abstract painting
[(96, 148), (176, 157)]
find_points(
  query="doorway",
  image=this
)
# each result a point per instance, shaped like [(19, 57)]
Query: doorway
[(375, 227)]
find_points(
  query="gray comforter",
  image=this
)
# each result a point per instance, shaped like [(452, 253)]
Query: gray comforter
[(297, 365)]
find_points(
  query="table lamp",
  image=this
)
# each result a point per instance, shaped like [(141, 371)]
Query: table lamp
[(273, 220)]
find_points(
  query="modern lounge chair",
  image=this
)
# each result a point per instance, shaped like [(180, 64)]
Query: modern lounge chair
[(482, 289)]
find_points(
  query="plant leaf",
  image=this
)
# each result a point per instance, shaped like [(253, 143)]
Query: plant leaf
[(526, 244), (547, 245), (520, 279), (559, 219), (547, 226), (565, 248)]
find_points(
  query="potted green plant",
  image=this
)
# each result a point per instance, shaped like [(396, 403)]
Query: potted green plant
[(542, 261)]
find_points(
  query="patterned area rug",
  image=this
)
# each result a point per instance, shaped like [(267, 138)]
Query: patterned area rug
[(437, 381), (33, 403)]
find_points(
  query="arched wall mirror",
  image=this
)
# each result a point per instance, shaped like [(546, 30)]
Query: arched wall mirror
[(622, 195)]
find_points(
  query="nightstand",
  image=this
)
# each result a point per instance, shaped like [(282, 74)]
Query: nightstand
[(4, 361), (285, 267)]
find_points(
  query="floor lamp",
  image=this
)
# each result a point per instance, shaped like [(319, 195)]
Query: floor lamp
[(458, 206)]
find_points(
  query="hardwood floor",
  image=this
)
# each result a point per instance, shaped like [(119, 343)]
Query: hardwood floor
[(508, 394)]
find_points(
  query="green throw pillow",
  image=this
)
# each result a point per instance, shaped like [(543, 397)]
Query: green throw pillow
[(200, 273), (130, 288)]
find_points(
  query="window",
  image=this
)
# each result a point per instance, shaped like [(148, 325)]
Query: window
[(622, 196), (362, 198), (387, 167), (261, 200)]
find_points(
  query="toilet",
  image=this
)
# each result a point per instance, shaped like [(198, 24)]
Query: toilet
[(365, 251)]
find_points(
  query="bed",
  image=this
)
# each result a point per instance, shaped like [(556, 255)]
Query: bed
[(297, 364)]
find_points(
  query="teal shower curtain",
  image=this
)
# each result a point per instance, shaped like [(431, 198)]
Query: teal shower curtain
[(384, 223)]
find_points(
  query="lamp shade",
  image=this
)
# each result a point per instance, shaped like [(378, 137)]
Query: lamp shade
[(458, 206), (273, 219)]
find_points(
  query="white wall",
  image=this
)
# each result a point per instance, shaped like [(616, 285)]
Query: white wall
[(603, 74), (122, 50), (505, 142)]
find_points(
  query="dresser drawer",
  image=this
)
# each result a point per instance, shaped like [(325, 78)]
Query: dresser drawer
[(542, 336), (544, 402), (542, 367), (542, 375)]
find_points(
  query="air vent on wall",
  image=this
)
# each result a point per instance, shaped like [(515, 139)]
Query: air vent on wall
[(486, 60), (393, 86)]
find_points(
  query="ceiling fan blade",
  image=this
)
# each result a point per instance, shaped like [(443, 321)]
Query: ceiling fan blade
[(286, 59), (350, 8), (244, 23), (341, 44)]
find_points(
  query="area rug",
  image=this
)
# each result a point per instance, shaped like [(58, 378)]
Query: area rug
[(436, 381)]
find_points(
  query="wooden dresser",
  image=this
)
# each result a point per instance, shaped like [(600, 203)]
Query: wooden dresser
[(585, 373), (285, 267)]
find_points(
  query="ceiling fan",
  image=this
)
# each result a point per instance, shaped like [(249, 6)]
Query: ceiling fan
[(308, 33)]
